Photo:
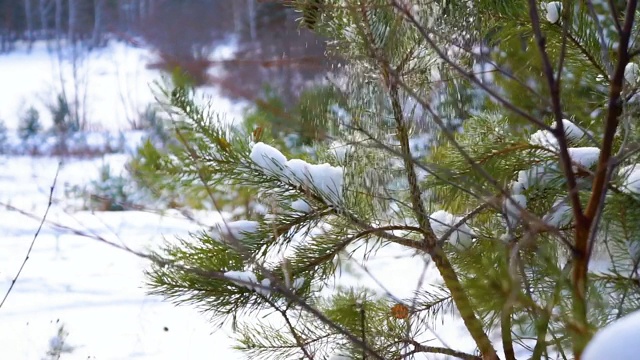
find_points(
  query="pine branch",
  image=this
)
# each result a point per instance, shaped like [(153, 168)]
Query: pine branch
[(554, 88), (405, 10), (463, 303), (599, 187)]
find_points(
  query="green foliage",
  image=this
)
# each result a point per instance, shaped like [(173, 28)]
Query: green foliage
[(63, 121), (29, 124), (310, 119), (110, 192), (494, 156)]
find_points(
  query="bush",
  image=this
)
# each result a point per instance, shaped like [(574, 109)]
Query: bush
[(4, 138), (109, 192), (63, 121), (29, 125)]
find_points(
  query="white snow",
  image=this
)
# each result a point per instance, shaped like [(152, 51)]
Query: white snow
[(114, 82), (239, 229), (584, 156), (631, 73), (572, 131), (631, 178), (618, 340), (324, 178), (442, 221), (242, 278), (270, 159), (98, 292), (536, 175), (554, 9), (559, 215), (301, 206), (511, 208), (545, 139), (298, 283), (247, 278)]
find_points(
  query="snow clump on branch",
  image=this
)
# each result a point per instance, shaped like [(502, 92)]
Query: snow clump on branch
[(327, 180), (442, 221), (618, 340), (554, 9)]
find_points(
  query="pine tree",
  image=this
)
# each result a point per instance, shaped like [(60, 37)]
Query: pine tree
[(525, 202)]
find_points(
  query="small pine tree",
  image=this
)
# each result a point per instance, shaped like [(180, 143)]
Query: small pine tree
[(29, 125), (4, 137), (526, 203)]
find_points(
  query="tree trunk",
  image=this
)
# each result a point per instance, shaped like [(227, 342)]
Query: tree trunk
[(73, 21), (58, 20), (252, 19), (98, 8), (28, 15), (237, 17)]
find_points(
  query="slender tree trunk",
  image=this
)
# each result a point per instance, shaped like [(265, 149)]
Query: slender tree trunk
[(98, 8), (28, 15), (72, 21), (252, 19), (58, 21), (237, 17)]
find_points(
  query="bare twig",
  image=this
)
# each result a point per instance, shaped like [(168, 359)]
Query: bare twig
[(35, 236), (419, 348)]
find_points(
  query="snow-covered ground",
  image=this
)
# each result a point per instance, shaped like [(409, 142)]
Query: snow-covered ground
[(95, 290), (113, 84)]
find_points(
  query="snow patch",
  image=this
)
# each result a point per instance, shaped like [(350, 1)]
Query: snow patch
[(631, 73), (631, 176), (554, 9), (512, 207), (324, 178), (301, 206), (238, 230), (268, 158), (618, 340), (545, 139), (442, 221), (584, 156), (560, 214), (246, 278)]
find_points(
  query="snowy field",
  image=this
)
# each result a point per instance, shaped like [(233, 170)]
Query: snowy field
[(95, 290), (113, 84)]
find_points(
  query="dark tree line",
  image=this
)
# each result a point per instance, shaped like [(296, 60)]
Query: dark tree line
[(273, 48)]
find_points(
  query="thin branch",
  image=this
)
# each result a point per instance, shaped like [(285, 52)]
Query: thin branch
[(461, 222), (599, 187), (300, 344), (419, 348), (35, 236), (554, 89), (603, 45), (506, 103)]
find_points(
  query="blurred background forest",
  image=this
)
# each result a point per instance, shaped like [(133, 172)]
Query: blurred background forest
[(270, 47)]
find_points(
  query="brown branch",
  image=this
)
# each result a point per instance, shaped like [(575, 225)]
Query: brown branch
[(459, 296), (419, 348), (35, 236), (599, 187), (554, 89)]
